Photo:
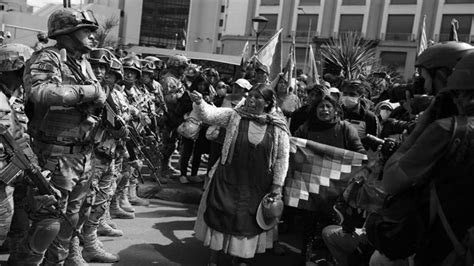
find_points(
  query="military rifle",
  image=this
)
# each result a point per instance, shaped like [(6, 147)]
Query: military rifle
[(20, 160), (138, 143), (135, 139)]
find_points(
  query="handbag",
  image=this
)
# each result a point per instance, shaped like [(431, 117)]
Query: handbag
[(190, 127)]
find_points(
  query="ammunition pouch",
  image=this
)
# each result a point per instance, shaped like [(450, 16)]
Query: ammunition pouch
[(107, 148), (68, 126)]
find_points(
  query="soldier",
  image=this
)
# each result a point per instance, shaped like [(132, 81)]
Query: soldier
[(62, 95), (159, 66), (132, 72), (103, 173), (13, 58), (125, 110), (173, 89)]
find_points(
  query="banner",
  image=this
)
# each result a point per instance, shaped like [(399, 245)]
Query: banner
[(313, 76), (423, 40), (270, 55), (318, 173), (246, 55)]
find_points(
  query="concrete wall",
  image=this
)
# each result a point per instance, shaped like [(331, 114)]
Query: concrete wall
[(132, 13), (204, 16), (26, 20), (237, 16)]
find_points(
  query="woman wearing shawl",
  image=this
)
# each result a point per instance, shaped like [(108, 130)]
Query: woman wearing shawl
[(324, 125), (254, 162)]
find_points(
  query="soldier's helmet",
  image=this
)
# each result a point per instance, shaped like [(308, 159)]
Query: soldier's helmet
[(445, 54), (147, 66), (100, 56), (462, 77), (116, 67), (42, 36), (132, 62), (67, 20), (13, 56), (177, 61)]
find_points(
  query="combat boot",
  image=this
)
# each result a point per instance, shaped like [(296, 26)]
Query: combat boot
[(75, 257), (134, 198), (124, 202), (108, 219), (92, 252), (106, 230), (117, 212)]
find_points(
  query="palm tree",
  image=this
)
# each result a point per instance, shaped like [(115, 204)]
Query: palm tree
[(350, 53), (105, 29)]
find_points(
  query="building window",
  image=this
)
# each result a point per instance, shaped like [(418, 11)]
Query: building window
[(221, 22), (303, 25), (270, 2), (399, 27), (310, 2), (403, 2), (394, 60), (222, 9), (300, 54), (463, 31), (459, 2), (271, 24), (219, 36), (353, 2), (171, 16), (351, 23)]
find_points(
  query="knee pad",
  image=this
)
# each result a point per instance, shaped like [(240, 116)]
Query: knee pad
[(43, 234)]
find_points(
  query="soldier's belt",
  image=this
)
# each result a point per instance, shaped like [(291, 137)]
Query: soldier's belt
[(62, 149)]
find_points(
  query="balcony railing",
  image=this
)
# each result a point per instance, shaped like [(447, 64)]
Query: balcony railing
[(398, 36), (304, 33)]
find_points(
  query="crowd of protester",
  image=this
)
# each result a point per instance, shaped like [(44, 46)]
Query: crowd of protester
[(93, 121)]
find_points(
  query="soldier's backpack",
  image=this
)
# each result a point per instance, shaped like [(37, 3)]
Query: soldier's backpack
[(398, 230)]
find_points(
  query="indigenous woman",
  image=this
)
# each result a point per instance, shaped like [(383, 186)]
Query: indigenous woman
[(254, 162), (324, 125)]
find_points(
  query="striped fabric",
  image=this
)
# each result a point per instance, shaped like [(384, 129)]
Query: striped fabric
[(318, 173)]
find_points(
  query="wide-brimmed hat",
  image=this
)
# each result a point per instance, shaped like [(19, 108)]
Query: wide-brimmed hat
[(269, 211), (244, 84)]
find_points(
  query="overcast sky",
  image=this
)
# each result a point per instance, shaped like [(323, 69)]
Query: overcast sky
[(40, 3)]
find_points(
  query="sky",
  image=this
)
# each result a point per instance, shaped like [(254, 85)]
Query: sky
[(40, 3)]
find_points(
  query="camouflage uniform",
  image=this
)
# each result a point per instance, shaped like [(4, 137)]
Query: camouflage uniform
[(63, 96), (8, 119), (123, 170), (103, 176), (12, 115)]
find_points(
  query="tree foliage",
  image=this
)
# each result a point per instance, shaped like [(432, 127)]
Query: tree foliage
[(351, 53), (105, 28)]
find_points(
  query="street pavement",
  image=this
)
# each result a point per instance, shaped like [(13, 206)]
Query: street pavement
[(162, 234)]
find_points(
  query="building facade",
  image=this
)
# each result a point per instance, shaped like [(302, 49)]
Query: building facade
[(394, 24)]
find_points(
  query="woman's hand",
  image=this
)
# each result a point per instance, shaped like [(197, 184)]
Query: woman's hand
[(196, 97), (276, 189)]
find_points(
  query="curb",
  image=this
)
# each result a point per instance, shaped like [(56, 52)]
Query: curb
[(172, 203)]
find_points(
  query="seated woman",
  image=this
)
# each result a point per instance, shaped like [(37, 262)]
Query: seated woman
[(324, 125), (254, 162)]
